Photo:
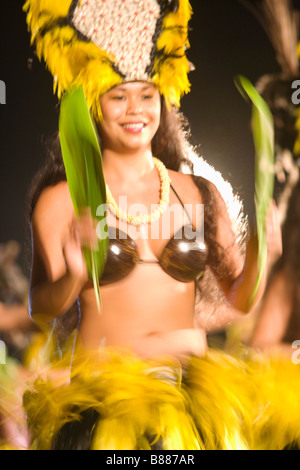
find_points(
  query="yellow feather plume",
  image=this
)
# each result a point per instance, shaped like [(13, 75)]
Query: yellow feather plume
[(74, 62)]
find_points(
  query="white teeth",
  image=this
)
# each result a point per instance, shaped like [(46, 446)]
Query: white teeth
[(133, 126)]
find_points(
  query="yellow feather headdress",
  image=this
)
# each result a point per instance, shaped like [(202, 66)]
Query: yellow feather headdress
[(99, 44)]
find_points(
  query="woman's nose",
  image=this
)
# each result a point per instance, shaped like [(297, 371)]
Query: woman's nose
[(134, 106)]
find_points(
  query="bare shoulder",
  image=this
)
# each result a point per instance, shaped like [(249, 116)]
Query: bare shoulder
[(191, 189), (186, 187), (54, 198), (54, 204), (197, 189)]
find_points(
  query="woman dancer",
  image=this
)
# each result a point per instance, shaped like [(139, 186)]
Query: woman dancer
[(141, 373)]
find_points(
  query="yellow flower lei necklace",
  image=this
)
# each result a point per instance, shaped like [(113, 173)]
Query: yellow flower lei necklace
[(162, 206)]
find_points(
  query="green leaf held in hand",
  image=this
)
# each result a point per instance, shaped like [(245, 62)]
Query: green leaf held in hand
[(263, 135), (83, 164)]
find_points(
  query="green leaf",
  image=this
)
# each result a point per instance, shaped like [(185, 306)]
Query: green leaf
[(263, 135), (83, 163)]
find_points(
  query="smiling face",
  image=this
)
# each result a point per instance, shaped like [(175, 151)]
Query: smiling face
[(131, 116)]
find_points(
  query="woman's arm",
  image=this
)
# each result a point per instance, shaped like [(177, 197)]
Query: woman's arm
[(273, 315), (240, 282), (14, 317), (58, 267)]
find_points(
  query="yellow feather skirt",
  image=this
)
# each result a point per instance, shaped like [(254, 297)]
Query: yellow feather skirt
[(218, 402)]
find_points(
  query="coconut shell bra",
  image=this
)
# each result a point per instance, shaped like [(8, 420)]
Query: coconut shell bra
[(183, 258)]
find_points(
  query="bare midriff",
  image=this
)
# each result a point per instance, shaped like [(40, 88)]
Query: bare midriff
[(146, 304)]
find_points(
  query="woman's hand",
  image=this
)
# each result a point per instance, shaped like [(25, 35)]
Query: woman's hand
[(60, 274), (82, 234)]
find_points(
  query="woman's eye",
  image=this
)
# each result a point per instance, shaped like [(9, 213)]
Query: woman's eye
[(147, 97), (118, 97)]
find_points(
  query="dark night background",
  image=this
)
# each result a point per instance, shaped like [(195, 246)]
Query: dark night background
[(226, 40)]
